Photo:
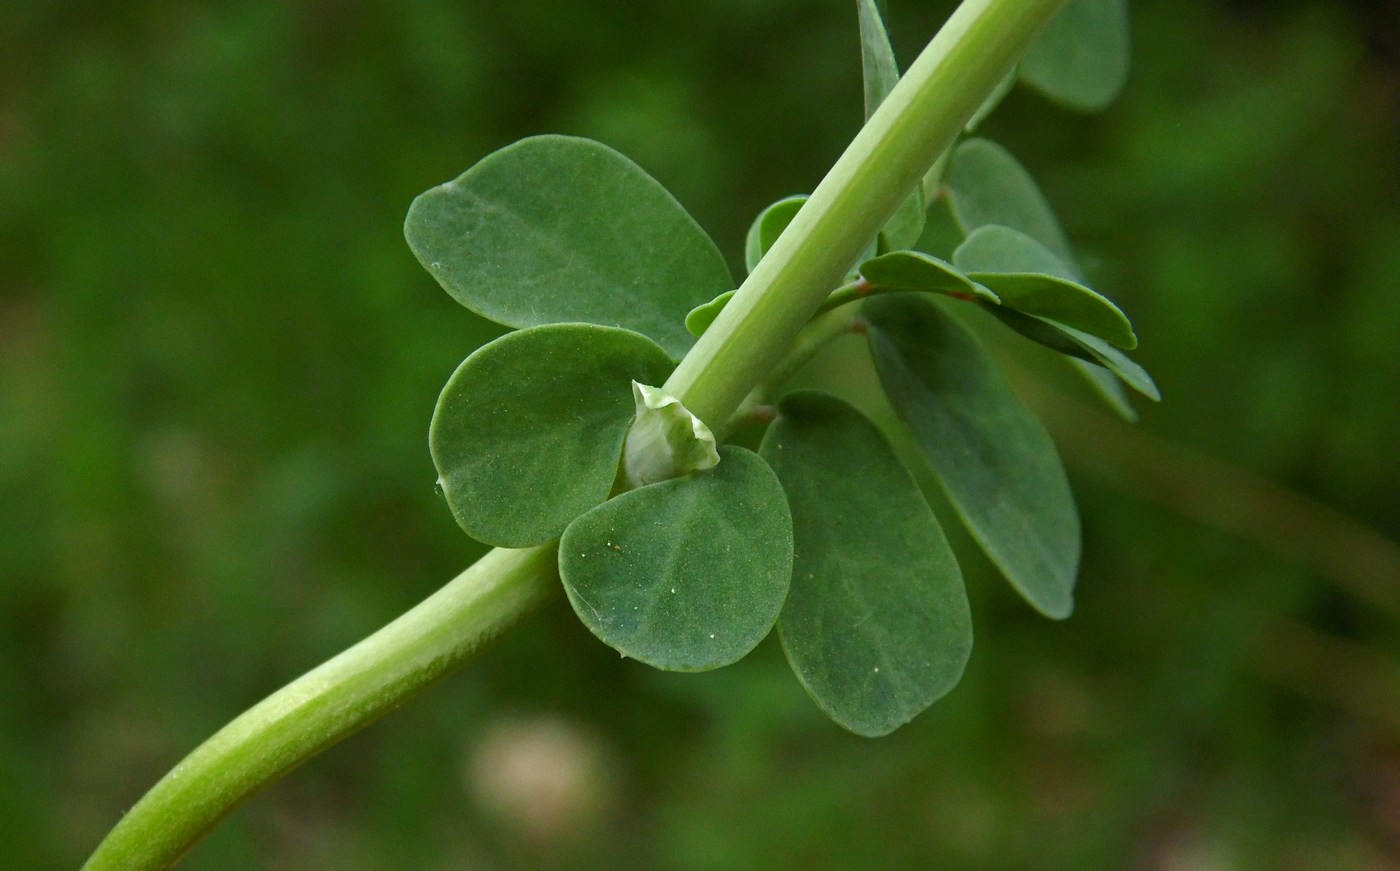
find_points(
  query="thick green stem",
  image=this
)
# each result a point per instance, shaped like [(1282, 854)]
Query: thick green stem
[(328, 703), (913, 126)]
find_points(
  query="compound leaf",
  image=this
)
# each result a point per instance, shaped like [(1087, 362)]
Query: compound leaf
[(1080, 345), (986, 185), (921, 273), (687, 574), (556, 229), (994, 459), (1081, 58), (876, 624), (527, 433), (1031, 279)]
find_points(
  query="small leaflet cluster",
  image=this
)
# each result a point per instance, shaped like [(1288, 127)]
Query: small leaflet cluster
[(823, 531)]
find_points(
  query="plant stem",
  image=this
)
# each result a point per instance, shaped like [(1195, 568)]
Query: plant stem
[(914, 125), (859, 290), (328, 703), (822, 331), (847, 293)]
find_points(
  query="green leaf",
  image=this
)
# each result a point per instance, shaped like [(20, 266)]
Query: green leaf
[(994, 459), (941, 235), (768, 226), (921, 273), (880, 73), (688, 574), (876, 624), (1081, 58), (528, 432), (1036, 257), (555, 229), (986, 185), (700, 317), (1081, 345), (997, 248), (1108, 388), (906, 224), (1031, 279), (879, 69)]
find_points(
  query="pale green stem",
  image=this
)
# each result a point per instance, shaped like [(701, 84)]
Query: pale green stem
[(913, 126), (847, 293), (823, 330), (328, 703), (859, 290)]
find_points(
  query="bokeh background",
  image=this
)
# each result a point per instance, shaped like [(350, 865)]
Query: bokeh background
[(218, 360)]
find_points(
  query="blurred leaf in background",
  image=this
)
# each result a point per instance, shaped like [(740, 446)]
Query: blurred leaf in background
[(218, 360)]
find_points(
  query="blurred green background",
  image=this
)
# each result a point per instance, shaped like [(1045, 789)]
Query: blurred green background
[(218, 360)]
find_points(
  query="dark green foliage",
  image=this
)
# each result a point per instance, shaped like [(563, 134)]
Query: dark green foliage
[(1074, 343), (555, 229), (528, 431), (686, 574), (986, 185), (994, 459), (914, 271), (988, 188), (876, 624), (1028, 278)]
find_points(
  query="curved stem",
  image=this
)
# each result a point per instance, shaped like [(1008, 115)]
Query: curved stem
[(914, 125), (328, 703), (848, 293)]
